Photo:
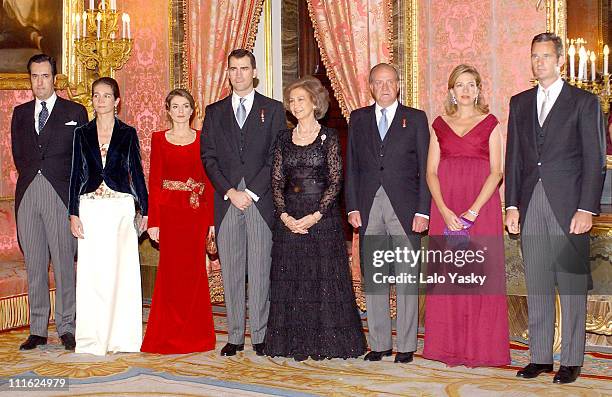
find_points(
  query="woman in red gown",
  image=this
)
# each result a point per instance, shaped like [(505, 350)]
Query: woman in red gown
[(468, 326), (180, 213)]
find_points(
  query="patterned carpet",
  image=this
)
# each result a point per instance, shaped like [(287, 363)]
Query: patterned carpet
[(208, 374)]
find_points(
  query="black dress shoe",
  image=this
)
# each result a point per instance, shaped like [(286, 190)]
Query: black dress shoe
[(377, 356), (300, 357), (259, 348), (533, 370), (68, 341), (32, 342), (230, 349), (403, 358), (566, 374)]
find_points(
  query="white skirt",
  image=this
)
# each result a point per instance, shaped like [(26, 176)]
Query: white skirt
[(108, 294)]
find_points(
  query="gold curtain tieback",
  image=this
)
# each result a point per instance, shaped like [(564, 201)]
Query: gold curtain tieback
[(196, 189)]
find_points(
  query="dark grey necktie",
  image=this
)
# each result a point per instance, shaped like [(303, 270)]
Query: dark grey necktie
[(42, 116)]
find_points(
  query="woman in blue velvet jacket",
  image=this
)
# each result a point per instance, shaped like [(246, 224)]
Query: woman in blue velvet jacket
[(106, 184)]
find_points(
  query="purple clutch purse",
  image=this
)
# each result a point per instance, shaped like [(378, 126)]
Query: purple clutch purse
[(467, 224)]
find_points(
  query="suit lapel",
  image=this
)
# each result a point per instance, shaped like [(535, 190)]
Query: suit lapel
[(90, 135), (531, 104), (394, 128), (114, 141), (374, 135), (227, 121), (253, 120), (29, 110), (558, 114)]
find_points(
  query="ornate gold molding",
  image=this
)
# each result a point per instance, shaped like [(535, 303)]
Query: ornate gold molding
[(556, 18), (408, 52), (267, 16)]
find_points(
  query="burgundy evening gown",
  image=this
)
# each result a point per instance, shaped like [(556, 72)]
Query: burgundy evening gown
[(469, 329)]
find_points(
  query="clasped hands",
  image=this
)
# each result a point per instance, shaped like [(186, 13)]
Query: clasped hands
[(300, 226)]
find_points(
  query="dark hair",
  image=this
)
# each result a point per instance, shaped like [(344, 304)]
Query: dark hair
[(547, 36), (41, 58), (241, 53), (110, 82), (183, 94), (318, 94), (383, 65)]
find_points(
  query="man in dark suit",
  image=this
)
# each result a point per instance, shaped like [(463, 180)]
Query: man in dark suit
[(239, 134), (41, 135), (387, 195), (555, 167)]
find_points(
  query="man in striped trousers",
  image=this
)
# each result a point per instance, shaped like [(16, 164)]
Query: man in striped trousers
[(238, 137), (555, 167), (41, 138)]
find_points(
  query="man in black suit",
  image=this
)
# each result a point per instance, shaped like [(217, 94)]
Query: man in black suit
[(239, 134), (42, 131), (555, 167), (387, 195)]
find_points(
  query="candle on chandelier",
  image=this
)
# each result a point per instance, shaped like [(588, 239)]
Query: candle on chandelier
[(103, 4), (98, 21), (84, 24), (593, 71), (606, 52), (91, 4), (127, 17), (123, 25), (78, 25), (572, 55), (581, 63)]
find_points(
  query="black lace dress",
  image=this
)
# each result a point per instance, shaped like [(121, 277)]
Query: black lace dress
[(312, 305)]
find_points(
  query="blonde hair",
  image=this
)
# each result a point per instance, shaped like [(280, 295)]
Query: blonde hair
[(479, 104), (318, 94)]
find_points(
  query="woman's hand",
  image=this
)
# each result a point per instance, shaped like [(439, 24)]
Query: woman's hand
[(153, 233), (76, 226), (291, 224), (451, 220), (308, 221), (211, 232), (143, 224), (469, 216)]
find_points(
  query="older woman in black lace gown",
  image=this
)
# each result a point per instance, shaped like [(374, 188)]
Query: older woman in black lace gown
[(312, 306)]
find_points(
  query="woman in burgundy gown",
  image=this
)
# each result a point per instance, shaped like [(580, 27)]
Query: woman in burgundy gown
[(181, 202), (467, 326)]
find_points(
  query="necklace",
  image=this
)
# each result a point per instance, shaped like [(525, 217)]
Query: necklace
[(308, 135)]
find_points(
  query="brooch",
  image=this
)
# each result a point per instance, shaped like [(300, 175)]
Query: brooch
[(323, 138), (262, 115)]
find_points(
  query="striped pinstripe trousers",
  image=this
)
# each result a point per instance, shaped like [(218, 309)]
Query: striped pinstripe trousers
[(245, 242), (44, 231), (541, 241)]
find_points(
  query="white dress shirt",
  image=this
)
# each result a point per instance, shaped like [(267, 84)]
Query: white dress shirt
[(248, 105), (391, 109), (248, 102), (50, 102)]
